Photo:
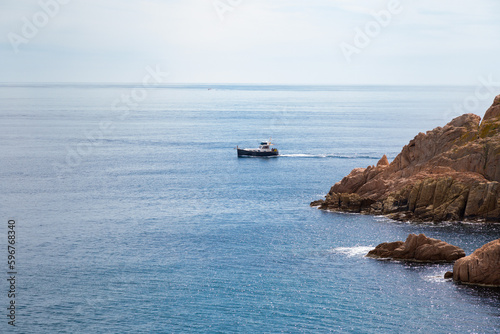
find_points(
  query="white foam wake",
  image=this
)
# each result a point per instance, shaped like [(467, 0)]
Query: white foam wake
[(435, 278), (352, 251), (335, 156)]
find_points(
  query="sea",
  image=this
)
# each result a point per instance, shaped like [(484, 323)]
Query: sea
[(132, 213)]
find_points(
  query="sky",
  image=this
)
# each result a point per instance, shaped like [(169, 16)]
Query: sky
[(338, 42)]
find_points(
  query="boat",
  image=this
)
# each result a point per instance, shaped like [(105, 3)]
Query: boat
[(264, 150)]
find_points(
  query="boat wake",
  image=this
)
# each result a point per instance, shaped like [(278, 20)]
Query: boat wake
[(332, 156), (357, 251)]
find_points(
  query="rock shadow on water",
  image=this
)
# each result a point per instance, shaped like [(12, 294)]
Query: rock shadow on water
[(487, 295)]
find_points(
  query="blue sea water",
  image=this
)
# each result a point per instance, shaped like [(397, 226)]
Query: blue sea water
[(143, 220)]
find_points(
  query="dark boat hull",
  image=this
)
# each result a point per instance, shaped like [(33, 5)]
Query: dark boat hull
[(251, 153)]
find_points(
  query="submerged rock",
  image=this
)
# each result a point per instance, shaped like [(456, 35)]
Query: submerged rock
[(482, 267), (450, 173), (448, 275), (418, 249)]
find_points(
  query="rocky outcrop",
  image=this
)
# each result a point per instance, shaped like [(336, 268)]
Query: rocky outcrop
[(383, 161), (450, 173), (418, 248), (482, 267)]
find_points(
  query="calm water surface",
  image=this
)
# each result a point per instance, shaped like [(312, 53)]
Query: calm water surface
[(146, 221)]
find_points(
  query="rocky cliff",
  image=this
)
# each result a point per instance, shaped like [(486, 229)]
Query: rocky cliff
[(449, 173)]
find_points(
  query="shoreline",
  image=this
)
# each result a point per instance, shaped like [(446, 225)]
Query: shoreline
[(450, 173), (410, 221)]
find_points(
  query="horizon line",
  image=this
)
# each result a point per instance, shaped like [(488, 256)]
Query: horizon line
[(21, 83)]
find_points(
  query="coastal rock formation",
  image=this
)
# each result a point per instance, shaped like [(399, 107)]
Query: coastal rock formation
[(418, 248), (481, 267), (450, 173)]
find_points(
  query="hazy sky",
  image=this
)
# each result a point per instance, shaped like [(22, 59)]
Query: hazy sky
[(251, 41)]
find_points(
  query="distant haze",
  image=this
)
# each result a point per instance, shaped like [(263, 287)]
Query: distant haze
[(251, 41)]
